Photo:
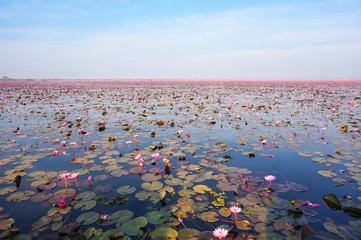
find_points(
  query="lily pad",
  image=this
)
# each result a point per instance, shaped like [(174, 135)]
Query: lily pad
[(85, 196), (20, 196), (6, 190), (153, 186), (126, 190), (85, 205), (132, 227), (6, 224), (44, 220), (332, 201), (88, 218), (42, 196), (122, 216), (103, 188), (165, 233), (209, 216), (326, 173)]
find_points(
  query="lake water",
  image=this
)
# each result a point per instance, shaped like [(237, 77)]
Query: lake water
[(217, 140)]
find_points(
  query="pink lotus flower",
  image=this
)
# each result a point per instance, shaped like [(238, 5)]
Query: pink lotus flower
[(65, 176), (55, 152), (72, 143), (220, 233), (138, 157), (270, 178), (136, 135), (264, 142), (74, 176), (63, 143), (62, 203), (128, 142), (141, 163), (89, 179), (235, 210), (14, 141), (155, 155)]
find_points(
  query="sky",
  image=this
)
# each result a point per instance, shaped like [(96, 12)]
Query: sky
[(180, 39)]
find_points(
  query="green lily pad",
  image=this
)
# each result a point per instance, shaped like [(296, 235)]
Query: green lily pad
[(209, 216), (326, 173), (122, 216), (103, 188), (69, 228), (6, 223), (164, 233), (126, 190), (88, 218), (332, 201), (353, 211), (151, 177), (225, 212), (153, 186), (85, 205), (132, 227), (85, 196), (6, 190), (42, 196), (187, 233), (201, 189), (44, 220), (156, 217), (20, 196), (173, 181)]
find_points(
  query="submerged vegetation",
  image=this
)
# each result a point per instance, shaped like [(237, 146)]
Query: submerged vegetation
[(180, 160)]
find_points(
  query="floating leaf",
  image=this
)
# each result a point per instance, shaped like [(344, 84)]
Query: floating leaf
[(332, 201), (20, 196), (353, 211), (125, 190), (132, 227), (85, 196), (153, 186), (201, 189), (85, 205), (326, 173), (164, 232), (209, 216), (42, 196), (103, 188), (88, 218), (6, 224), (44, 220), (225, 212), (69, 228), (6, 190), (122, 216)]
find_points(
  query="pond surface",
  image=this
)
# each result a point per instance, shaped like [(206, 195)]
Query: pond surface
[(77, 160)]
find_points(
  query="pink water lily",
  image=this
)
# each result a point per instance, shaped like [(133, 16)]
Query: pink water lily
[(138, 157), (63, 143), (270, 178), (155, 155), (55, 153), (74, 176), (128, 142), (61, 203), (65, 176), (220, 233), (235, 210)]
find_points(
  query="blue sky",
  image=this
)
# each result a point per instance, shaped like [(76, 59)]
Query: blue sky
[(184, 39)]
